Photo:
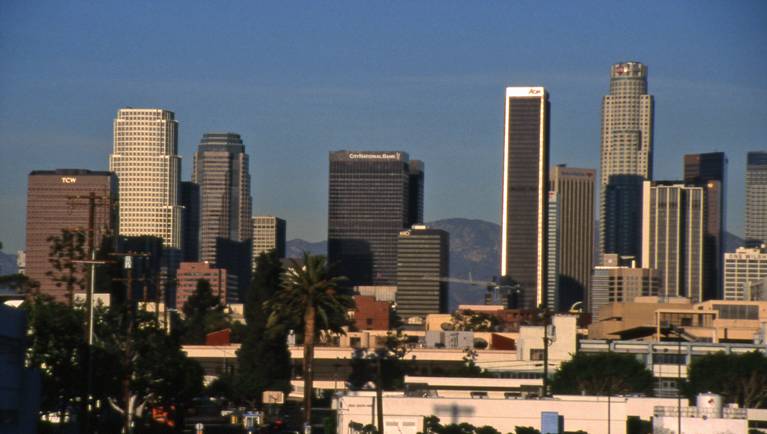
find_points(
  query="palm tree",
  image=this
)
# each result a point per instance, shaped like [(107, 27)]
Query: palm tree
[(309, 292)]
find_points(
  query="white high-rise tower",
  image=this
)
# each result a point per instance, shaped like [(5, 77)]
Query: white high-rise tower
[(148, 168)]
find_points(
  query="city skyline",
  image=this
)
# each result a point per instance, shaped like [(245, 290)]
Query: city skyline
[(423, 101)]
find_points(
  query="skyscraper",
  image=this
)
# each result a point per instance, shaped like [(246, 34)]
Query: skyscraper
[(574, 189), (268, 234), (709, 172), (673, 226), (190, 200), (422, 266), (146, 162), (524, 202), (626, 158), (58, 200), (552, 297), (756, 199), (221, 170), (370, 202)]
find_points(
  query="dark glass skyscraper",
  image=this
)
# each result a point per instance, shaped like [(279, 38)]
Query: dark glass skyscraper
[(756, 198), (709, 172), (422, 267), (524, 211), (372, 197), (190, 200)]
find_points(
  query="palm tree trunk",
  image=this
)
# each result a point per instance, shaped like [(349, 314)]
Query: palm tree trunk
[(309, 317)]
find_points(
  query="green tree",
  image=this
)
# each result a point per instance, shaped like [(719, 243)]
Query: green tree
[(263, 357), (311, 293), (203, 313), (56, 348), (474, 321), (148, 367), (739, 378), (64, 250), (525, 430), (602, 374)]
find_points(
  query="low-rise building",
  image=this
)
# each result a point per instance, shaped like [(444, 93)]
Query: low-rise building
[(405, 414), (189, 273)]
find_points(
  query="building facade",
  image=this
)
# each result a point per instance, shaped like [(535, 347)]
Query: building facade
[(422, 269), (673, 228), (189, 273), (58, 201), (190, 200), (756, 199), (709, 171), (221, 169), (146, 161), (268, 234), (625, 158), (745, 274), (371, 199), (614, 282), (574, 189), (554, 258), (524, 210)]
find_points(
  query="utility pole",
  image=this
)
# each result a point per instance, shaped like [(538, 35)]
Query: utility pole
[(128, 355), (91, 237), (379, 394)]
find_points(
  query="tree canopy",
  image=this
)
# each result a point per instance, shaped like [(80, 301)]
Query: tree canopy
[(602, 374), (739, 378), (263, 357), (203, 313)]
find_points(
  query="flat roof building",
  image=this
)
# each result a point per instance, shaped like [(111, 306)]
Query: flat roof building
[(745, 274), (189, 273), (58, 200), (524, 201), (268, 234), (756, 199), (423, 256), (373, 195)]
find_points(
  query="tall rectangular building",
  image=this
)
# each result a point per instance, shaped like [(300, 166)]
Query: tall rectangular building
[(268, 234), (221, 169), (574, 189), (673, 227), (626, 158), (422, 270), (190, 200), (553, 250), (756, 199), (745, 274), (148, 168), (525, 191), (58, 200), (371, 199), (709, 172)]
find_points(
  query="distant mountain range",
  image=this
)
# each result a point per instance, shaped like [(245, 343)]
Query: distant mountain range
[(474, 254)]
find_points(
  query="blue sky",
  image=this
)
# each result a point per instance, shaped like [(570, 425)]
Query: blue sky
[(299, 79)]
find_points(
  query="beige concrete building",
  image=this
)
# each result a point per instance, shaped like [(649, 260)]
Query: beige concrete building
[(146, 161), (615, 283), (648, 318), (268, 234), (745, 274)]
